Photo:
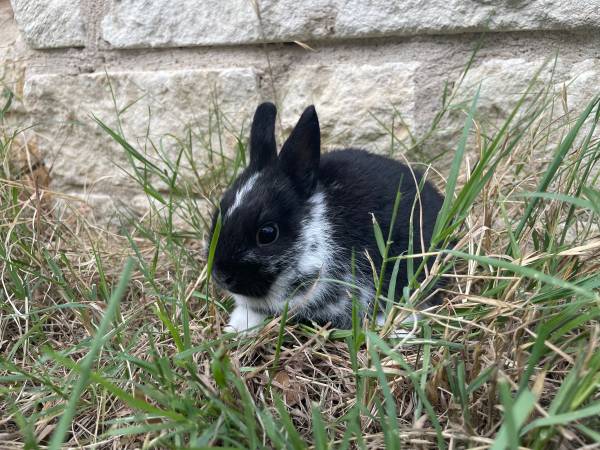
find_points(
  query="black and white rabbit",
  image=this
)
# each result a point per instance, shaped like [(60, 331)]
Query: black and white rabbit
[(291, 222)]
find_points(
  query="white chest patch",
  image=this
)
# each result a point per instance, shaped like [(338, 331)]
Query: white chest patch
[(242, 193)]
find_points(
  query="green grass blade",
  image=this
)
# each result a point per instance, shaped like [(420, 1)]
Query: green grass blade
[(318, 427), (97, 343), (558, 159), (515, 415), (592, 410), (294, 438), (451, 182)]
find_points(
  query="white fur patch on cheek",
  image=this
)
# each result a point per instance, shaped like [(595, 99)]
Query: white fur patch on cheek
[(241, 193), (315, 237), (243, 318)]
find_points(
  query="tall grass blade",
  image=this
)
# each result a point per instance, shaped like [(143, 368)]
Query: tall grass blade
[(86, 367)]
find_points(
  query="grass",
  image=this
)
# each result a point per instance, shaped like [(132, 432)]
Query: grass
[(114, 340)]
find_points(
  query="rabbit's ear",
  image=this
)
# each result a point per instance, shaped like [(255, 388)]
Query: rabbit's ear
[(263, 149), (299, 156)]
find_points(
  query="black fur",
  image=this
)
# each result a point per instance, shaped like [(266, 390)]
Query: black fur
[(359, 184), (300, 155), (355, 185), (263, 149)]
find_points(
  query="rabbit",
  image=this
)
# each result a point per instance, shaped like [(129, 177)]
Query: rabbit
[(297, 228)]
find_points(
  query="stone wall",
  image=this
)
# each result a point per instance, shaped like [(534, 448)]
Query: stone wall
[(365, 64)]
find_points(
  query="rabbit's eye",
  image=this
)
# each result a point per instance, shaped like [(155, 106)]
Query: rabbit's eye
[(267, 234)]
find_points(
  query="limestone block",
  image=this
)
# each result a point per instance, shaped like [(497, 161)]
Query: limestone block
[(97, 208), (12, 59), (355, 103), (123, 207), (51, 24), (152, 23), (101, 209), (155, 109), (159, 23), (8, 33), (583, 84), (503, 81), (582, 87), (382, 17)]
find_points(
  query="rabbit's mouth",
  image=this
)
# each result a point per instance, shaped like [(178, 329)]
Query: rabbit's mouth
[(248, 284), (222, 280)]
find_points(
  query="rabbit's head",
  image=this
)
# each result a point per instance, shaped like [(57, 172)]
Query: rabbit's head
[(264, 215)]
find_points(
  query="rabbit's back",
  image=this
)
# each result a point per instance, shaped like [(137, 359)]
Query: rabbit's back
[(360, 185)]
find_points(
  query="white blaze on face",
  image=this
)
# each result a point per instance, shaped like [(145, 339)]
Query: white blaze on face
[(241, 193)]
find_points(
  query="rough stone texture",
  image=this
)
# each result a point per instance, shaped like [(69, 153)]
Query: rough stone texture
[(103, 208), (12, 51), (8, 34), (381, 17), (192, 22), (584, 83), (501, 83), (511, 77), (582, 87), (156, 23), (152, 104), (50, 23), (354, 102)]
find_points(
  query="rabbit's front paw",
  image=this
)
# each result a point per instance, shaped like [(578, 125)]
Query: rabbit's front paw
[(243, 318)]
